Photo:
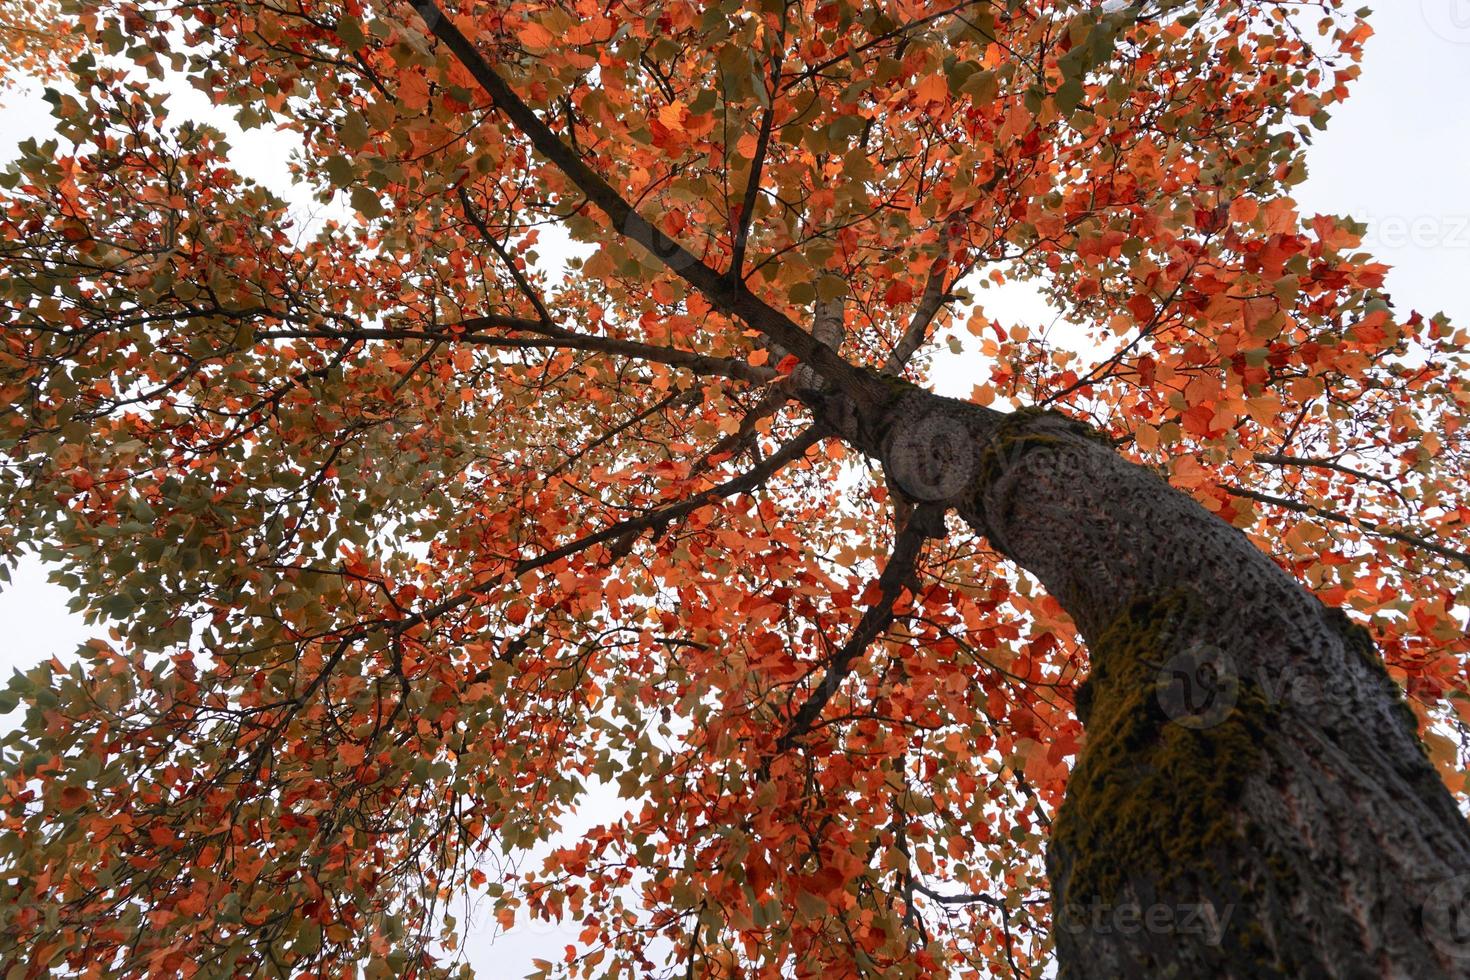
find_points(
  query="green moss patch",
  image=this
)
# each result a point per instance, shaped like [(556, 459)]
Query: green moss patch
[(1017, 434), (1152, 800)]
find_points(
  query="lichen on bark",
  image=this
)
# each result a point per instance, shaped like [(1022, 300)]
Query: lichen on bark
[(1151, 799), (1007, 441)]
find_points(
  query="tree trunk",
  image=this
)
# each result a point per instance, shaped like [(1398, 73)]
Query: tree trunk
[(1253, 798), (1289, 823)]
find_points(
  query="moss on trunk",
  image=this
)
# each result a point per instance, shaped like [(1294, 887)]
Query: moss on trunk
[(1152, 798)]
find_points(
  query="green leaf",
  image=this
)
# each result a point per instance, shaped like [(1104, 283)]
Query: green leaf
[(831, 287), (366, 203), (350, 31), (812, 906), (704, 102), (1069, 96), (340, 170), (354, 131)]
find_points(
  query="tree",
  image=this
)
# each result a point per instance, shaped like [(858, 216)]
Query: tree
[(404, 531)]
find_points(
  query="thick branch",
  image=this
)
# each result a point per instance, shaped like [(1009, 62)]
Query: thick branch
[(731, 297), (771, 403), (752, 190), (970, 898), (930, 302)]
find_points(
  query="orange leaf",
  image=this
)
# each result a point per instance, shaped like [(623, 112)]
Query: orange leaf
[(413, 90), (535, 37), (935, 88)]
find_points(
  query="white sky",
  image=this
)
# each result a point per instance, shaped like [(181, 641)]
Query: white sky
[(1397, 156)]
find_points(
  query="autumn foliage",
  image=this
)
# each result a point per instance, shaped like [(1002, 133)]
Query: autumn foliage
[(402, 530)]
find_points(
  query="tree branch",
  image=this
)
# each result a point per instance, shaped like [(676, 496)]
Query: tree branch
[(1278, 459), (521, 282), (552, 337), (771, 403), (1340, 518), (755, 477), (673, 398), (931, 300), (896, 574), (731, 297), (973, 898), (752, 187)]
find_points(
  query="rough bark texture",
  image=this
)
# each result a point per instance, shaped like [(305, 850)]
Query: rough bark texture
[(1253, 799), (1294, 811)]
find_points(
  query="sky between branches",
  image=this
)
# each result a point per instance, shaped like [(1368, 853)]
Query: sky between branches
[(1397, 157)]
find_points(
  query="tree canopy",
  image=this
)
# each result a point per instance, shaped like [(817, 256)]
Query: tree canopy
[(401, 531)]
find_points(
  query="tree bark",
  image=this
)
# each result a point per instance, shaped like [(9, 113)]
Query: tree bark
[(1253, 798), (1287, 824)]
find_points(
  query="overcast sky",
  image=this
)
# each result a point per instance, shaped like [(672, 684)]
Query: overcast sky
[(1397, 156)]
